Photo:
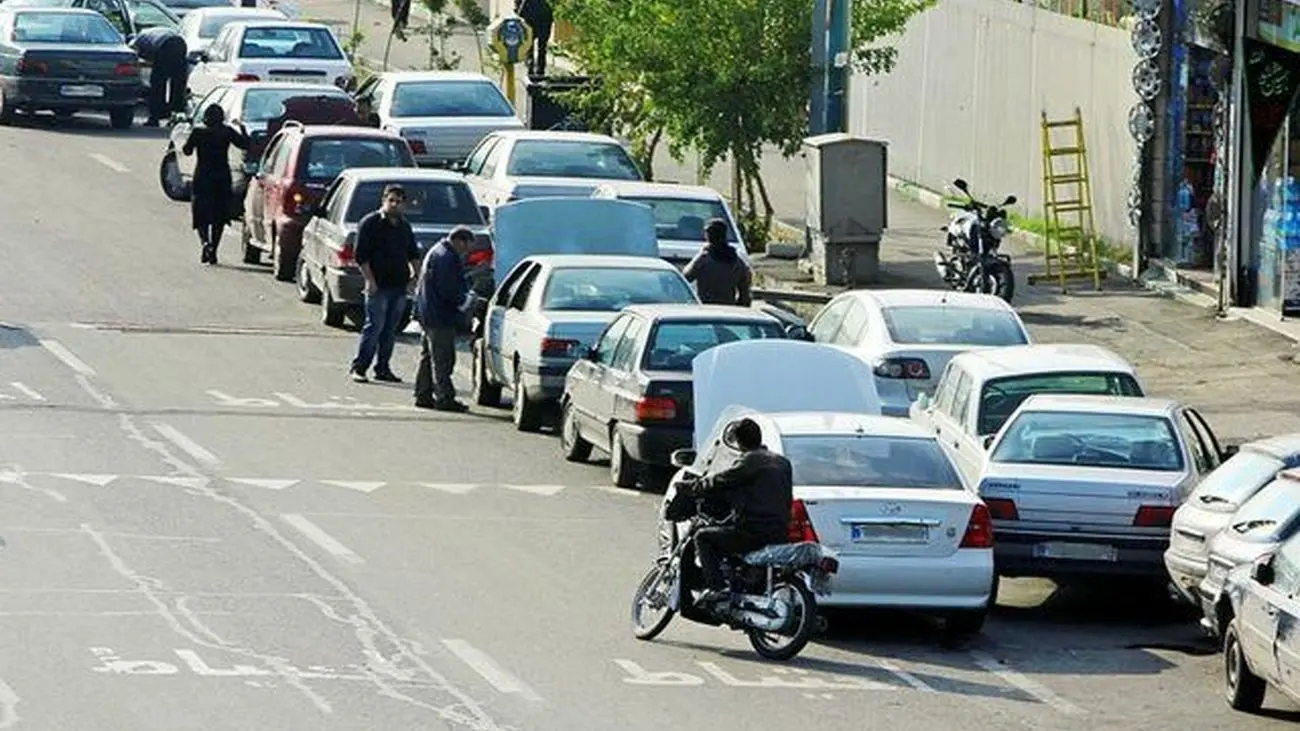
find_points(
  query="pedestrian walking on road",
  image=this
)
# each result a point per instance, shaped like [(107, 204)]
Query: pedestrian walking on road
[(211, 198), (166, 52), (387, 255), (444, 296), (721, 277)]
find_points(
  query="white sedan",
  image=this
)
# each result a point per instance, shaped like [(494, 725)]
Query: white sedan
[(271, 50), (909, 335), (876, 489), (200, 26)]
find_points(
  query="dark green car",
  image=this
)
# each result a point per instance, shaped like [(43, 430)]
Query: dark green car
[(65, 60)]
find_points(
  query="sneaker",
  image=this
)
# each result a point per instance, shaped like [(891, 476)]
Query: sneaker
[(358, 376), (387, 377), (452, 406)]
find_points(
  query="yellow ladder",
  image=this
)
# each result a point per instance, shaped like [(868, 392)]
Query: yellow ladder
[(1070, 241)]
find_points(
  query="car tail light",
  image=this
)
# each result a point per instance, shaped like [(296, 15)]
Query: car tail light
[(905, 368), (979, 531), (558, 347), (801, 527), (1001, 508), (347, 255), (246, 77), (1154, 516), (297, 200), (482, 257), (32, 68), (126, 69), (656, 408), (417, 147)]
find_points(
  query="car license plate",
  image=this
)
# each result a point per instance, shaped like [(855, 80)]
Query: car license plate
[(1076, 551), (299, 79), (889, 533), (82, 91)]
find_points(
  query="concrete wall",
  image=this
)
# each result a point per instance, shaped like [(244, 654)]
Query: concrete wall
[(965, 98)]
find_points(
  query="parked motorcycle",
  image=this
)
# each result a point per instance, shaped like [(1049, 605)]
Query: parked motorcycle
[(774, 588), (974, 262)]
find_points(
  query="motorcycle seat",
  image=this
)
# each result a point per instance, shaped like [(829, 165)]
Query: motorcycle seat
[(785, 554)]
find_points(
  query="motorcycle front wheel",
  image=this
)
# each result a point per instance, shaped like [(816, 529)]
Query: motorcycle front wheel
[(803, 622), (653, 594)]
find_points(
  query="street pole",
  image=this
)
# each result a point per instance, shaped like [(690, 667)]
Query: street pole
[(509, 83), (1238, 218), (837, 57), (820, 91)]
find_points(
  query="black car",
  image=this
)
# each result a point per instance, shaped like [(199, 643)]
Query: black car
[(631, 395), (66, 61)]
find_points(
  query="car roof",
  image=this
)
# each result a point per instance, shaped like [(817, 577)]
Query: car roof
[(929, 298), (569, 261), (554, 135), (237, 11), (702, 313), (830, 423), (264, 22), (306, 87), (1099, 404), (434, 76), (344, 130), (1015, 360), (47, 9), (400, 174), (1282, 446), (642, 189)]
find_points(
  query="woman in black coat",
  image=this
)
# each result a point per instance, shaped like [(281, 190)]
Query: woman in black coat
[(210, 202)]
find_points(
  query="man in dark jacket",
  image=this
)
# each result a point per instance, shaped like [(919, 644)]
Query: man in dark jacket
[(760, 488), (721, 277), (444, 296), (386, 253), (540, 17), (165, 51)]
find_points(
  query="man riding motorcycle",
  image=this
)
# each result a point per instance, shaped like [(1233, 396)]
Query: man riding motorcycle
[(759, 487)]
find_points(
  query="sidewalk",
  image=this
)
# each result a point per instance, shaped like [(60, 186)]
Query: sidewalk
[(1242, 377)]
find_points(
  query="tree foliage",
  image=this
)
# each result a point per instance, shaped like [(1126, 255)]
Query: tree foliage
[(723, 77)]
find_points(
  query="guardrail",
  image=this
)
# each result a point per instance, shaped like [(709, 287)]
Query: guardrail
[(791, 295)]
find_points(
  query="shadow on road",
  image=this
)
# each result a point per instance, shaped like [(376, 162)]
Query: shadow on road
[(13, 337), (88, 124)]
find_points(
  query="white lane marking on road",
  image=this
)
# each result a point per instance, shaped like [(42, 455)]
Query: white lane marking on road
[(263, 483), (1030, 686), (317, 535), (192, 483), (493, 673), (8, 706), (547, 490), (359, 486), (109, 163), (447, 487), (893, 669), (96, 480), (56, 349), (186, 445), (27, 391)]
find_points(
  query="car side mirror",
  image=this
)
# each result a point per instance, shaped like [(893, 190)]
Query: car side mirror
[(458, 167), (1010, 201), (1262, 572), (195, 56), (592, 355), (797, 332), (178, 118), (486, 213), (1230, 450), (923, 402), (961, 185), (682, 457), (987, 441)]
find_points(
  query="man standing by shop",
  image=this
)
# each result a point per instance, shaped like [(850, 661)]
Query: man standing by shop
[(444, 297), (167, 55), (387, 255)]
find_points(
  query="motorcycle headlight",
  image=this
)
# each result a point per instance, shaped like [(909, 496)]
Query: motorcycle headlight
[(999, 228)]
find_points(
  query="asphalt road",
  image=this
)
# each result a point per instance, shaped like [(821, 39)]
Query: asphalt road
[(195, 493)]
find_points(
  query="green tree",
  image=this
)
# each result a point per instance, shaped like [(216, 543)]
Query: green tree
[(722, 77)]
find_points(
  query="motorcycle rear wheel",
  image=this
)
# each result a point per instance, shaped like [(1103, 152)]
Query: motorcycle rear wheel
[(804, 616), (659, 578), (999, 280)]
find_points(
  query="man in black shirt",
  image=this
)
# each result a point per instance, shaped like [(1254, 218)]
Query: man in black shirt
[(387, 255), (165, 51), (760, 488)]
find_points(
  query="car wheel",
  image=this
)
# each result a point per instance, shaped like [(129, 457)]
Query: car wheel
[(527, 413), (622, 468), (572, 445), (282, 267), (6, 111), (485, 392), (962, 625), (331, 313), (252, 254), (121, 118), (174, 184), (1244, 689), (307, 291)]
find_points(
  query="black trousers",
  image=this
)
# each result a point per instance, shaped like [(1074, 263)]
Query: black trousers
[(167, 79), (437, 362), (715, 543)]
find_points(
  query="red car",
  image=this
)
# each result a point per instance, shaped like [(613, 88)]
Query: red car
[(298, 166)]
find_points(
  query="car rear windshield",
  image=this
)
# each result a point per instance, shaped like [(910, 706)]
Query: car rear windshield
[(427, 201), (872, 461), (1002, 396), (87, 28), (1234, 481), (608, 289), (674, 345), (192, 4), (683, 219), (953, 326), (571, 159), (213, 24), (450, 99), (315, 43), (325, 158), (1271, 514), (261, 105), (1083, 439)]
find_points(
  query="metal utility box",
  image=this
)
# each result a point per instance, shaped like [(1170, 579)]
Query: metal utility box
[(846, 207), (549, 112)]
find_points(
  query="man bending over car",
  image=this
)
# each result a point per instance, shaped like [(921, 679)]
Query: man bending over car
[(759, 487)]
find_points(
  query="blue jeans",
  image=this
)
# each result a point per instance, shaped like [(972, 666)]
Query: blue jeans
[(384, 310)]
